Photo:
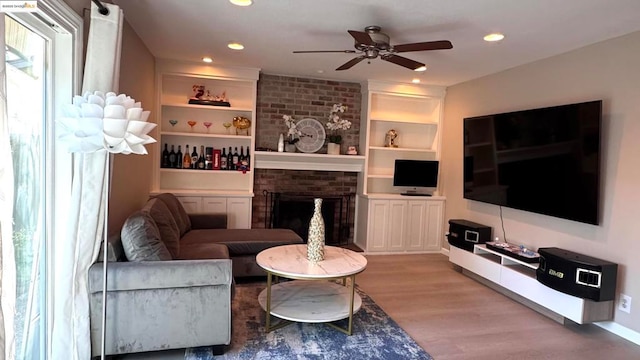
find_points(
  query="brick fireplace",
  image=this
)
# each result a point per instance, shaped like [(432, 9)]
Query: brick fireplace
[(302, 98)]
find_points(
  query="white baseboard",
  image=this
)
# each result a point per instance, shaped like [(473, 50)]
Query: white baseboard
[(620, 330)]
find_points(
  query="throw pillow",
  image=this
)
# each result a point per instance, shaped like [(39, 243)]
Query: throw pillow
[(177, 210), (169, 232), (141, 239)]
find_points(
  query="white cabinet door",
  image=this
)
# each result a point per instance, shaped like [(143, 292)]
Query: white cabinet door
[(378, 227), (239, 213), (433, 225), (397, 225), (191, 204), (415, 225), (214, 205)]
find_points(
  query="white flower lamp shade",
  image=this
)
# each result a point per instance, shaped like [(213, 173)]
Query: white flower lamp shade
[(108, 121)]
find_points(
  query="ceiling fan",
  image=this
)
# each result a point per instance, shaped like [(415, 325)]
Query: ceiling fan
[(372, 43)]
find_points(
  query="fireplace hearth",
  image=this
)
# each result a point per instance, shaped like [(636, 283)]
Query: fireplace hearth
[(294, 211)]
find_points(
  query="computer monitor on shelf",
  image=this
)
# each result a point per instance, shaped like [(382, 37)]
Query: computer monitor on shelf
[(416, 177)]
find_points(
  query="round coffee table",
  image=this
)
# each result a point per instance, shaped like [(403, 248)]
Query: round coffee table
[(306, 299)]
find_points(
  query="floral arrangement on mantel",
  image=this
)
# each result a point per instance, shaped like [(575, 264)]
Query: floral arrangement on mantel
[(335, 123), (293, 134)]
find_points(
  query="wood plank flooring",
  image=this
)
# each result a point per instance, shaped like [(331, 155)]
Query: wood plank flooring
[(454, 317)]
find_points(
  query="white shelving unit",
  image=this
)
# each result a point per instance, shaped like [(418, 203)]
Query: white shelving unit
[(196, 188), (388, 222), (520, 278)]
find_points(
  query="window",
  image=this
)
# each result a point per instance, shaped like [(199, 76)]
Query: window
[(42, 62)]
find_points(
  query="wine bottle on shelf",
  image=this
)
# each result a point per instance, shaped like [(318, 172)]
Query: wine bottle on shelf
[(186, 161), (178, 159), (194, 158), (201, 158), (248, 158), (223, 159), (241, 158), (164, 163), (236, 159), (172, 157), (230, 164), (208, 159)]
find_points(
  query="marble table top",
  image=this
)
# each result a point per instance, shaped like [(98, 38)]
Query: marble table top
[(291, 261)]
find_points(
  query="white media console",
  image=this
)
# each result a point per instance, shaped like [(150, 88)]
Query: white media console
[(520, 278)]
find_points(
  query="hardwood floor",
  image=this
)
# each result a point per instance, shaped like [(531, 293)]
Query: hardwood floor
[(454, 317)]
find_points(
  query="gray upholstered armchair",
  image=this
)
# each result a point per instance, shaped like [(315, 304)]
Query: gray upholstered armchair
[(159, 305)]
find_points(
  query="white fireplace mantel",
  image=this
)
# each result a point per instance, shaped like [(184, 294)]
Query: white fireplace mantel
[(302, 161)]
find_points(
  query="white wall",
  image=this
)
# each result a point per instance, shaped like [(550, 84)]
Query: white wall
[(607, 71)]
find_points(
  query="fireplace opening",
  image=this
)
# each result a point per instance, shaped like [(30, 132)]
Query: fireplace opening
[(292, 211)]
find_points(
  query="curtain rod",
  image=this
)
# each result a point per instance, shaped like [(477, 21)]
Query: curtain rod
[(101, 8)]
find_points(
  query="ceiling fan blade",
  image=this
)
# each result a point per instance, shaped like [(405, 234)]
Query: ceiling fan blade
[(350, 63), (402, 61), (423, 46), (324, 51), (361, 37)]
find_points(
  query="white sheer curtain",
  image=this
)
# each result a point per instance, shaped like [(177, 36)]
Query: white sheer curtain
[(71, 328), (7, 261)]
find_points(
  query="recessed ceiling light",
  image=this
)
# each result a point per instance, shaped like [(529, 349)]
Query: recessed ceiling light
[(493, 37), (416, 81), (241, 2), (320, 71), (235, 46), (207, 59), (421, 68)]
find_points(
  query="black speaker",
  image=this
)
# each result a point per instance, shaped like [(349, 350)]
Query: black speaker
[(464, 234), (576, 274)]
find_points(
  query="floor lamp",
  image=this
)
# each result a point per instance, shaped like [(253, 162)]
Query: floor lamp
[(108, 122)]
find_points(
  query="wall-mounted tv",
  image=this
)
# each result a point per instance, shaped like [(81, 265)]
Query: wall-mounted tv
[(415, 177), (543, 160)]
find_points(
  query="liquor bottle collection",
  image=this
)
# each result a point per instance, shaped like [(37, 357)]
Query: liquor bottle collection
[(207, 159)]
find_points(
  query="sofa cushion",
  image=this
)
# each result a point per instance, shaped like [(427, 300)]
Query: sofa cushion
[(203, 251), (177, 210), (141, 239), (243, 241), (169, 232)]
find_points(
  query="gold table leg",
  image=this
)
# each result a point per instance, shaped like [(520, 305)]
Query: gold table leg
[(349, 328), (281, 323)]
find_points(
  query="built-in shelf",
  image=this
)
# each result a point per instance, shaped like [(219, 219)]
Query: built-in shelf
[(207, 107), (212, 193), (205, 135), (303, 161), (415, 121), (385, 148)]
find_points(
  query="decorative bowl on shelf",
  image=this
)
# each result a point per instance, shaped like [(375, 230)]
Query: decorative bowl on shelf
[(242, 124)]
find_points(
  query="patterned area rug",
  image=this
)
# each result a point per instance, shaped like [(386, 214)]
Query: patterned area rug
[(375, 335)]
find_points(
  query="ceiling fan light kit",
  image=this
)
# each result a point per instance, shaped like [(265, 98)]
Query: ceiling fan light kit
[(372, 43)]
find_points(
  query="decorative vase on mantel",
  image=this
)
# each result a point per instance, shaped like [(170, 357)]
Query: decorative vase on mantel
[(333, 148), (315, 241)]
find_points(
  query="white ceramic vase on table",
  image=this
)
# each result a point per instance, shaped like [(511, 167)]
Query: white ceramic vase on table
[(315, 241)]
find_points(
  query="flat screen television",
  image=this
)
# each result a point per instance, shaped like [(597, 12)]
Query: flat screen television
[(415, 177), (543, 160)]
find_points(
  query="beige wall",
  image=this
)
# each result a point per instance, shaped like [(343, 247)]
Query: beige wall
[(607, 71), (131, 177)]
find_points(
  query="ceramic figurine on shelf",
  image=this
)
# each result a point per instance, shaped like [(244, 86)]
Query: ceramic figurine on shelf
[(390, 139), (351, 150), (198, 92)]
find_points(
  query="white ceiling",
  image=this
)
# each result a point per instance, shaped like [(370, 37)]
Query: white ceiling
[(272, 29)]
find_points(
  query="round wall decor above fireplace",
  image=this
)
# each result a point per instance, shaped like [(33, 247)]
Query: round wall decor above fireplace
[(312, 135)]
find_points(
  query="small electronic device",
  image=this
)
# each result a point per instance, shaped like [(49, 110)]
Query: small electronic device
[(465, 234), (416, 177)]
